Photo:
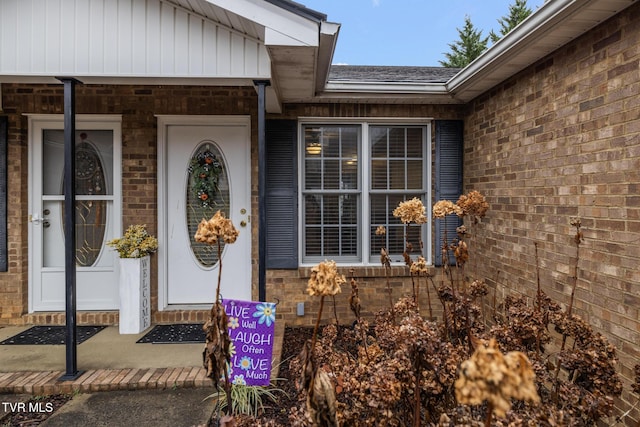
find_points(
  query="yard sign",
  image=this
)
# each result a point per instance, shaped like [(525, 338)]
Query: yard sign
[(251, 329)]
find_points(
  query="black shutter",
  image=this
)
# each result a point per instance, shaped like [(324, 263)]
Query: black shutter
[(4, 142), (449, 141), (282, 194)]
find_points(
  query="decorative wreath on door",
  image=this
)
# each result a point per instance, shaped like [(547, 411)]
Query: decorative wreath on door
[(205, 169)]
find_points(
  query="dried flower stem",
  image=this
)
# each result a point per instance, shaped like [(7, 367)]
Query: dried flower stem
[(577, 239), (487, 421), (315, 329), (539, 293), (429, 299), (416, 402)]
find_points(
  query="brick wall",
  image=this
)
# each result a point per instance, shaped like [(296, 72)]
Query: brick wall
[(562, 140)]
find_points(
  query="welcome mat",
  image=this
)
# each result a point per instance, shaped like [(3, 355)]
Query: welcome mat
[(51, 335), (184, 333)]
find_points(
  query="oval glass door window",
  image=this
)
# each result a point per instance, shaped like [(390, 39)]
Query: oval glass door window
[(207, 192), (91, 213)]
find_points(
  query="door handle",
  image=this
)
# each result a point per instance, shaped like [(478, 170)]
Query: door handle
[(37, 219)]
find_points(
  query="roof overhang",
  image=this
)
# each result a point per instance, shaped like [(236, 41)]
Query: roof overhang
[(299, 41), (386, 92), (552, 26), (281, 41)]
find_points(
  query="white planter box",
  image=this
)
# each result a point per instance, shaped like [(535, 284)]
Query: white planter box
[(135, 292)]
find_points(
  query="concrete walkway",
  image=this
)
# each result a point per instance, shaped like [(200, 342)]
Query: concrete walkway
[(108, 361)]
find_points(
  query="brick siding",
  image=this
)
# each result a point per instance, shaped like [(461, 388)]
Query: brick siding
[(562, 140)]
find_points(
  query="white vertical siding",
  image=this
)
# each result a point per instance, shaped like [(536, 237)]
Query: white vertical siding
[(122, 38)]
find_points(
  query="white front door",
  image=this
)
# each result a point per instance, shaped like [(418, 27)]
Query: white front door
[(97, 211), (206, 166)]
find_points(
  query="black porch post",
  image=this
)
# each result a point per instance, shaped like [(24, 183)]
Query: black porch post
[(70, 227), (262, 192)]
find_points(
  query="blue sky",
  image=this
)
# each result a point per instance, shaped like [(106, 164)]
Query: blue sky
[(405, 32)]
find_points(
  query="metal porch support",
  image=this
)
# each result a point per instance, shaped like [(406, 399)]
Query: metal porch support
[(71, 342), (262, 192)]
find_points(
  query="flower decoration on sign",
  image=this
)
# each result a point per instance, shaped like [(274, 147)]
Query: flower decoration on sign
[(266, 312), (239, 380), (233, 323), (205, 169), (245, 363)]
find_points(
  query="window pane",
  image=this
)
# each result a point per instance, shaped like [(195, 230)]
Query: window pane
[(349, 205), (396, 142), (331, 211), (313, 209), (349, 241), (313, 241), (331, 178), (414, 174), (378, 138), (350, 142), (414, 142), (397, 174), (331, 142), (349, 174), (379, 175), (313, 174)]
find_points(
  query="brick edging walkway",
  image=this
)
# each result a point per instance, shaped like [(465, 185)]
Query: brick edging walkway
[(46, 383)]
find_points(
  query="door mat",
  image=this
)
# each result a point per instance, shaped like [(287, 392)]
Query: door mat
[(51, 335), (186, 333)]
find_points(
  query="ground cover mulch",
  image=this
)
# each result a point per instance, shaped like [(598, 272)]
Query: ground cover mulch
[(38, 409)]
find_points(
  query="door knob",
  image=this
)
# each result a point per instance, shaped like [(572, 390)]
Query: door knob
[(243, 223)]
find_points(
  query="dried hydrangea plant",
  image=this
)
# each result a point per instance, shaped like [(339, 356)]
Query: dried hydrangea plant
[(216, 354), (411, 211), (496, 378)]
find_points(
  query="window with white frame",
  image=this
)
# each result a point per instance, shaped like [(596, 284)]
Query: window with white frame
[(353, 176)]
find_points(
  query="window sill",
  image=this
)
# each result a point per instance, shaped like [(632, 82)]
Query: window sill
[(366, 271)]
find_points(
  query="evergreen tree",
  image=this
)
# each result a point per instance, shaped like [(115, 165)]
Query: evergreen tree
[(467, 48), (518, 12)]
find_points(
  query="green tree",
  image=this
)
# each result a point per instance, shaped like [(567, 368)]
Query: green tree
[(470, 45), (518, 12)]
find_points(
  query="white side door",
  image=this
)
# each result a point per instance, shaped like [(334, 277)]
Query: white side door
[(97, 210), (192, 190)]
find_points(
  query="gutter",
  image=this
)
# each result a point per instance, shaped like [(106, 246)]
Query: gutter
[(386, 87), (327, 40), (527, 35)]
